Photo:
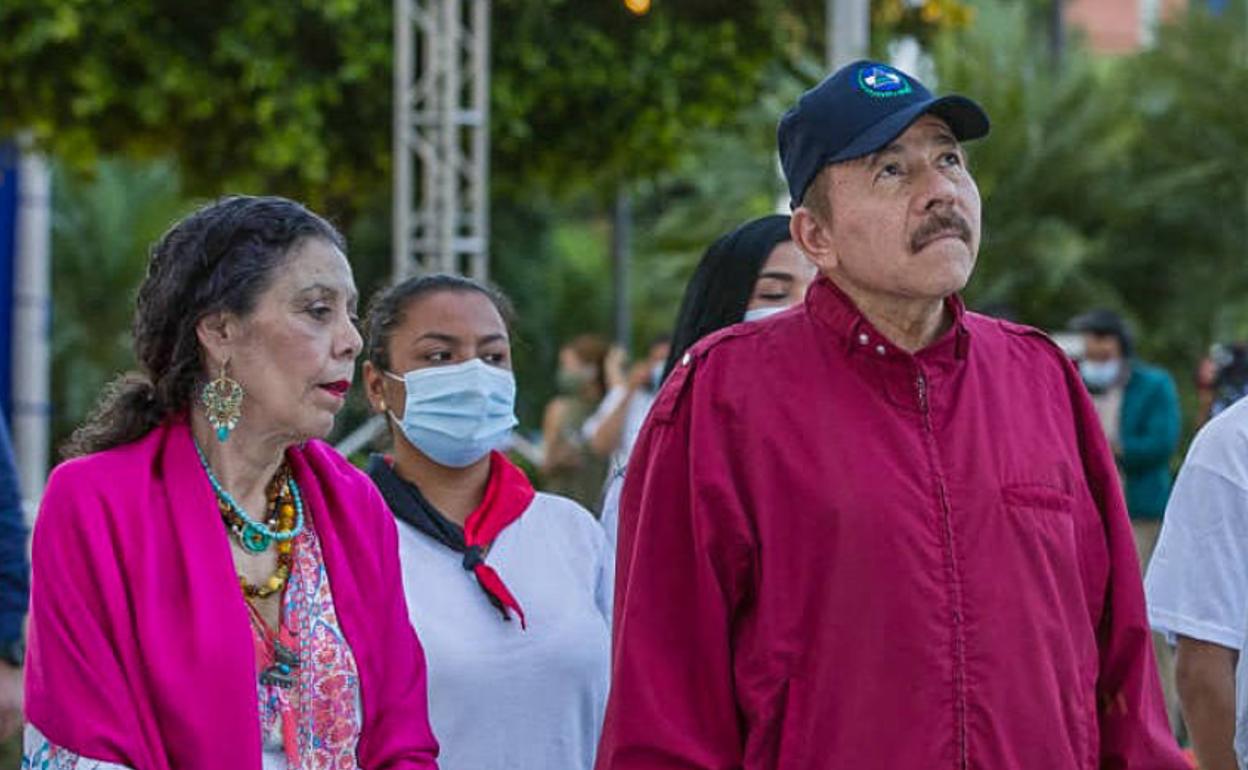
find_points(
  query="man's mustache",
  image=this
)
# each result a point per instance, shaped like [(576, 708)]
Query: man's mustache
[(940, 223)]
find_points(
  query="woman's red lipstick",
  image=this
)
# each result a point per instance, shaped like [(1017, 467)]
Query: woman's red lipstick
[(339, 388)]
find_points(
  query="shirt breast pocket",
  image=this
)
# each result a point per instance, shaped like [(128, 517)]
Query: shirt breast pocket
[(1041, 535), (1039, 498), (1044, 515)]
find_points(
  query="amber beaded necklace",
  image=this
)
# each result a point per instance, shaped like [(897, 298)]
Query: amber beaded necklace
[(283, 524), (282, 509)]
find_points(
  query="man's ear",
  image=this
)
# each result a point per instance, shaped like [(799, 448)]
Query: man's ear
[(814, 238)]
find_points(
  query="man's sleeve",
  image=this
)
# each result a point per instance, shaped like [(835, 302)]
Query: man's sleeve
[(1160, 437), (1134, 730), (683, 569), (14, 566), (1197, 583)]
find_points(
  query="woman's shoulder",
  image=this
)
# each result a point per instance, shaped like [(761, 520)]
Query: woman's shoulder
[(330, 464), (351, 498), (86, 496), (567, 518), (120, 470)]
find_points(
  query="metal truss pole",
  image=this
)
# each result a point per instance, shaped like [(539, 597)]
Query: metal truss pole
[(441, 140), (441, 148), (849, 31)]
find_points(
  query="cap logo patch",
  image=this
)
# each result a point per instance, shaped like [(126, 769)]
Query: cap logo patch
[(882, 81)]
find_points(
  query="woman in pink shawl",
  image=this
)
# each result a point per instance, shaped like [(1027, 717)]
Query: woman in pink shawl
[(213, 587)]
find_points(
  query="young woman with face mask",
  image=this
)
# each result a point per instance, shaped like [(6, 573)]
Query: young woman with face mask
[(749, 274), (510, 589)]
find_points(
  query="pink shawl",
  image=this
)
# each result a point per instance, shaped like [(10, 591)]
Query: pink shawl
[(140, 644)]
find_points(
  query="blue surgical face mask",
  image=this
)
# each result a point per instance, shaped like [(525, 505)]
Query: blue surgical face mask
[(759, 313), (458, 414), (1100, 376)]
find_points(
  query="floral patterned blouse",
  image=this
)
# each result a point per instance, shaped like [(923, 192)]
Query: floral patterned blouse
[(324, 701)]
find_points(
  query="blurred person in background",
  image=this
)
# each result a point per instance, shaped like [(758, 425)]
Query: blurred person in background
[(213, 586), (570, 467), (879, 531), (1197, 586), (749, 274), (1221, 378), (614, 425), (1138, 408), (509, 588)]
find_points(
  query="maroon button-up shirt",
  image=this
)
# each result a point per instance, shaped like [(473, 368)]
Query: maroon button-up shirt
[(836, 554)]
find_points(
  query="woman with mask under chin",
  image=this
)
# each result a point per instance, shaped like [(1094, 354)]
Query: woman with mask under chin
[(750, 274), (509, 589)]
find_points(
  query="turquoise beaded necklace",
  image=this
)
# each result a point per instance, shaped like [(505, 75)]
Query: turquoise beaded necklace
[(255, 536)]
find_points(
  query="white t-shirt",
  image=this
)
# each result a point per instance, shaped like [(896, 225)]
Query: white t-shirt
[(1197, 582), (502, 698)]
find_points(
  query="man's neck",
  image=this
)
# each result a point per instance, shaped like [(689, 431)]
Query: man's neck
[(910, 324)]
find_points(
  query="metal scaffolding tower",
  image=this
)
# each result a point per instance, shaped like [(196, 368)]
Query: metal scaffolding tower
[(441, 140)]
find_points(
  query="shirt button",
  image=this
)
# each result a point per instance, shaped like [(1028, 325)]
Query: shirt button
[(685, 359), (881, 349), (863, 339)]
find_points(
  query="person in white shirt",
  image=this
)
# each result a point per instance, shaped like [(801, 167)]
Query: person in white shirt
[(614, 425), (1197, 588), (510, 589)]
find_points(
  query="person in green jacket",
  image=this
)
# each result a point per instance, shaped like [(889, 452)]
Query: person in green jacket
[(1139, 409)]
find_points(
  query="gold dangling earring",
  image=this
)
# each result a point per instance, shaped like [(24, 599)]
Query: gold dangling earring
[(222, 399)]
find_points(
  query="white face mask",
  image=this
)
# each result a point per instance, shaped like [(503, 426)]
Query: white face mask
[(759, 313), (458, 414), (1100, 376)]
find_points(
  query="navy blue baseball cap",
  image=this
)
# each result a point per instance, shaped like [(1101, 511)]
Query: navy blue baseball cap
[(858, 110)]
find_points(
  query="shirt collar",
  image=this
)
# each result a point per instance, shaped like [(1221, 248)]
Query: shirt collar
[(832, 306)]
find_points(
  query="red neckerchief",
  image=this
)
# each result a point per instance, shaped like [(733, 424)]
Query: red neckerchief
[(507, 495)]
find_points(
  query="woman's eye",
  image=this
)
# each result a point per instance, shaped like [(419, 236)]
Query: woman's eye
[(774, 297), (890, 170), (494, 359), (952, 159), (320, 312), (438, 356)]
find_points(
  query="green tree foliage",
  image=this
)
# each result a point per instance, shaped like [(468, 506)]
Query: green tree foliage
[(295, 97), (273, 97), (1053, 170), (1114, 182), (1181, 255), (101, 231)]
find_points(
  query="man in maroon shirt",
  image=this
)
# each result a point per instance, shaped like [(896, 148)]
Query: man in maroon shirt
[(879, 531)]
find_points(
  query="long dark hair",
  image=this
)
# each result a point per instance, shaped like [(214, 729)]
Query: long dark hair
[(723, 281), (220, 258)]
